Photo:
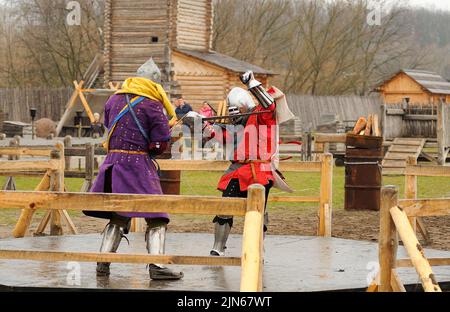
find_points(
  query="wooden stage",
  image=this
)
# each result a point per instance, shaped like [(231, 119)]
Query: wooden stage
[(292, 263)]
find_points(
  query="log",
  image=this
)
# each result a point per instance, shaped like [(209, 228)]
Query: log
[(116, 258), (27, 213), (387, 241), (415, 250), (435, 207), (252, 240), (396, 282), (124, 202)]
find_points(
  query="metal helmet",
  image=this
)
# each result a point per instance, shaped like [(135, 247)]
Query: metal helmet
[(150, 71), (239, 98)]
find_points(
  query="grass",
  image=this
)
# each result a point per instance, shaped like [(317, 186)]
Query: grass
[(304, 184)]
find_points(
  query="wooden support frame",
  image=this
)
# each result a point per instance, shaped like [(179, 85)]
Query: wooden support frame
[(395, 222), (252, 208), (53, 171)]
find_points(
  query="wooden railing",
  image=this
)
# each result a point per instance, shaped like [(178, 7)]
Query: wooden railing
[(324, 167), (413, 171), (52, 170), (394, 224), (252, 208)]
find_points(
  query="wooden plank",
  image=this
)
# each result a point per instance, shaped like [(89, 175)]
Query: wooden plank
[(387, 241), (406, 263), (123, 202), (28, 165), (403, 149), (52, 256), (26, 151), (407, 141), (219, 165), (388, 163), (415, 250), (428, 171), (252, 240), (294, 199), (329, 137), (397, 156), (426, 207)]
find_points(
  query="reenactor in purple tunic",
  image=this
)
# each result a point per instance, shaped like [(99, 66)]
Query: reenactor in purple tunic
[(138, 119)]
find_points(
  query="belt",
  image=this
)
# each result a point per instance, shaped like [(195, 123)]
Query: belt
[(129, 152), (252, 166)]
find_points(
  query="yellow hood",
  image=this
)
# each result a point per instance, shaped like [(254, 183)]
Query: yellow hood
[(149, 89)]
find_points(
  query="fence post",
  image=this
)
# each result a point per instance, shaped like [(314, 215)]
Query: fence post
[(252, 240), (388, 242), (58, 186), (411, 188), (442, 133), (67, 144), (326, 195)]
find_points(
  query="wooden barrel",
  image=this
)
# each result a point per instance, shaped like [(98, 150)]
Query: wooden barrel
[(170, 180), (363, 173)]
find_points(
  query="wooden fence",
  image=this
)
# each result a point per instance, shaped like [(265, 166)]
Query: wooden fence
[(50, 103), (309, 109), (52, 170), (252, 208), (394, 223)]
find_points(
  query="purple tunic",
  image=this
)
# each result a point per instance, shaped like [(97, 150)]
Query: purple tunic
[(131, 173)]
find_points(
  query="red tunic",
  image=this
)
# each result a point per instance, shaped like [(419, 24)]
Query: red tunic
[(254, 151)]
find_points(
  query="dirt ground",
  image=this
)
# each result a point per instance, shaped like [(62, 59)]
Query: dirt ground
[(360, 225)]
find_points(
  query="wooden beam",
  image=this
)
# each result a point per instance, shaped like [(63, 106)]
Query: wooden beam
[(28, 165), (52, 256), (387, 241), (219, 165), (124, 203), (396, 283), (26, 215), (411, 188), (326, 195), (26, 151), (252, 240), (294, 199), (428, 171), (415, 250), (329, 137), (407, 263), (426, 207)]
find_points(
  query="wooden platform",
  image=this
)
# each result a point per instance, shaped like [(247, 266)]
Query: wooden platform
[(292, 263), (394, 162)]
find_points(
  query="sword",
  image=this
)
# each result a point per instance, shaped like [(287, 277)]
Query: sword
[(235, 116)]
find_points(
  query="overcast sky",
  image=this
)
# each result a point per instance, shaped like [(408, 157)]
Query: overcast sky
[(438, 4)]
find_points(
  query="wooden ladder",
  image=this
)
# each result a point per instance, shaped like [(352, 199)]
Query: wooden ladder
[(395, 160)]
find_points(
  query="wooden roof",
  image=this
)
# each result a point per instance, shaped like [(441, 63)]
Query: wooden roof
[(430, 81), (225, 61)]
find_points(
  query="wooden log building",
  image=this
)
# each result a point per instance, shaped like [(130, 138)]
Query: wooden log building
[(178, 35), (419, 86)]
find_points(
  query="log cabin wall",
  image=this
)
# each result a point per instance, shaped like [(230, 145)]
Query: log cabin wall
[(194, 21), (402, 86), (199, 81), (134, 32)]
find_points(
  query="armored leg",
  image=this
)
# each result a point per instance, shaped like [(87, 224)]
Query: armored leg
[(112, 235), (222, 230), (155, 238)]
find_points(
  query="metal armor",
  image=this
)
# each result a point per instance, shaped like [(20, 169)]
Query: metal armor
[(256, 88)]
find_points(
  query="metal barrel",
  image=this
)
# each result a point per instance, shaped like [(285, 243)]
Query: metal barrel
[(363, 172)]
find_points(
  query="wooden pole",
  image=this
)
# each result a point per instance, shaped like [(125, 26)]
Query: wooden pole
[(414, 249), (441, 135), (26, 215), (252, 240), (388, 242), (326, 195), (68, 144), (58, 186), (411, 187)]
